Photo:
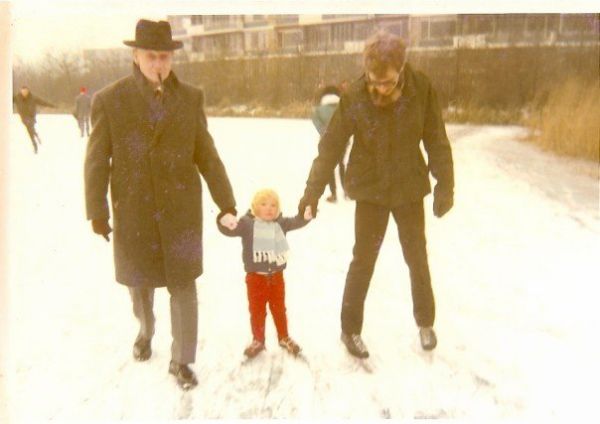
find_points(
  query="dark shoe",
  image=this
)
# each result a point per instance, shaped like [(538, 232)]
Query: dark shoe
[(355, 345), (428, 338), (141, 349), (332, 199), (254, 349), (186, 379), (290, 345)]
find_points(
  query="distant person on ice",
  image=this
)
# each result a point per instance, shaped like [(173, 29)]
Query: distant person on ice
[(26, 104), (83, 105), (389, 111), (327, 104), (150, 141), (264, 251)]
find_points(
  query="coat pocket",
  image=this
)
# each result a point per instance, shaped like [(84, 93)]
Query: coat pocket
[(359, 172)]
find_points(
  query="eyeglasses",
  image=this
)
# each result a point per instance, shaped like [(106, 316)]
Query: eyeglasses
[(385, 84)]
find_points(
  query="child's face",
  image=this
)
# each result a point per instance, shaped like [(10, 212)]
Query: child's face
[(267, 209)]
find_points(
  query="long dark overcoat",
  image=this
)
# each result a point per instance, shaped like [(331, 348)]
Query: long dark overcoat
[(152, 154), (386, 166)]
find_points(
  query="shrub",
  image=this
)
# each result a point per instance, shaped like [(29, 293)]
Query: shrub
[(567, 119)]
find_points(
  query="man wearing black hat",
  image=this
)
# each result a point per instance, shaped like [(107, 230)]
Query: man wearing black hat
[(150, 141)]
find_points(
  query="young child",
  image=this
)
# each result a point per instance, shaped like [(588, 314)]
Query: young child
[(264, 252)]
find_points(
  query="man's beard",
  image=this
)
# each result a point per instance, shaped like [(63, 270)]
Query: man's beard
[(381, 100)]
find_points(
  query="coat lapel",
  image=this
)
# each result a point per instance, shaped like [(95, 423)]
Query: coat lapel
[(139, 104), (155, 115), (171, 104)]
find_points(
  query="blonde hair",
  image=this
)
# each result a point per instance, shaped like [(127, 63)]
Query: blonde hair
[(262, 194)]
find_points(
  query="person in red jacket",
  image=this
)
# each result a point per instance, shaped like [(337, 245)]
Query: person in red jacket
[(83, 107)]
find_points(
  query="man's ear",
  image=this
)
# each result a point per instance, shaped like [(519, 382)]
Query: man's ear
[(135, 57)]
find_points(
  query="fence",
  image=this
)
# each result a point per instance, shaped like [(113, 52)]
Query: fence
[(511, 77)]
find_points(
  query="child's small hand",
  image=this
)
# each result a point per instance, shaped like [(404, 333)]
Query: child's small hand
[(228, 221), (308, 213)]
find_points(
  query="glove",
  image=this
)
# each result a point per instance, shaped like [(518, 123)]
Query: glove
[(442, 202), (228, 221), (308, 201), (101, 227)]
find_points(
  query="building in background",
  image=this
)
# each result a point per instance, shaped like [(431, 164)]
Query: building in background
[(208, 37)]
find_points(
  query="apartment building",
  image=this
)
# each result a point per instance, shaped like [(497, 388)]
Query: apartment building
[(452, 31), (207, 37), (227, 36)]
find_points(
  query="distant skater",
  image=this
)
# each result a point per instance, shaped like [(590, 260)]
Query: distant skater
[(327, 103), (26, 104), (83, 106)]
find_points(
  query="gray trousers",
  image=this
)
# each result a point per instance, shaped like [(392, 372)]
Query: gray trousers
[(184, 318)]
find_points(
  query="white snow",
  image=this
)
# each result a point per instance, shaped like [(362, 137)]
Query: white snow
[(514, 268)]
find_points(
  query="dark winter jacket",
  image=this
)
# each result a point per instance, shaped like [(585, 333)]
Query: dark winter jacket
[(152, 152), (27, 106), (245, 230), (386, 166), (83, 105)]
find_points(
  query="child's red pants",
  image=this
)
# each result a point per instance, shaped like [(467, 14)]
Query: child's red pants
[(263, 289)]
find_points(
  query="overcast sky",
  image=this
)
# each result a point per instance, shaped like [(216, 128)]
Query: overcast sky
[(69, 26), (61, 25)]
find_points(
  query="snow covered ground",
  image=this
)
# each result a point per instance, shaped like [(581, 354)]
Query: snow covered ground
[(514, 268)]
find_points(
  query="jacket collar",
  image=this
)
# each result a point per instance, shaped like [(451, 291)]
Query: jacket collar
[(409, 89)]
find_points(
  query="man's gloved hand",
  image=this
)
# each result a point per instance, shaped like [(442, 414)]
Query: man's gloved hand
[(308, 201), (442, 202), (229, 221), (101, 227)]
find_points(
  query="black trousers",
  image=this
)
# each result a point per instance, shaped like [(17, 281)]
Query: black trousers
[(29, 123), (370, 225)]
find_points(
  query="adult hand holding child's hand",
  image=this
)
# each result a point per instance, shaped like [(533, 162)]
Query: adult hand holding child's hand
[(228, 221), (308, 213)]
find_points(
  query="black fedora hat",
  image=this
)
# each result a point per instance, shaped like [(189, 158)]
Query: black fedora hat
[(152, 35)]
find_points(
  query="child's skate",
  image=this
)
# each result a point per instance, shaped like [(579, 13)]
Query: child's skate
[(254, 349), (290, 345)]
